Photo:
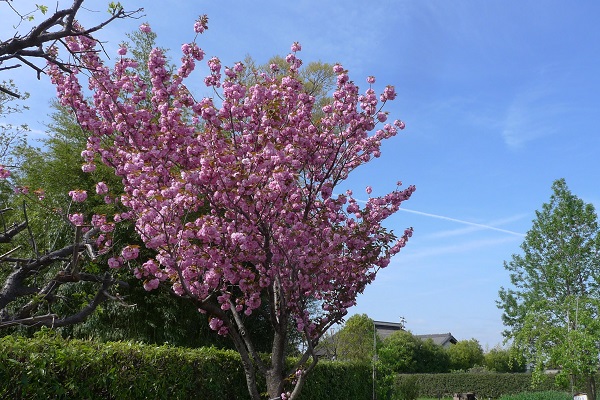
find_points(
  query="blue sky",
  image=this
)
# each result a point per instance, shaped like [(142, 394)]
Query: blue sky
[(499, 98)]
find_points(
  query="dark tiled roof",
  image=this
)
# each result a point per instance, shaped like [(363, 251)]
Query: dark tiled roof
[(385, 329), (443, 339)]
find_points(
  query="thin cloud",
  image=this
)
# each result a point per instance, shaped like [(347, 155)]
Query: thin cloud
[(412, 254), (460, 221)]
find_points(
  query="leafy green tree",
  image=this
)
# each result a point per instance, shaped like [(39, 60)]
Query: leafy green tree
[(402, 352), (356, 341), (465, 354), (432, 358), (499, 359), (398, 352), (551, 312)]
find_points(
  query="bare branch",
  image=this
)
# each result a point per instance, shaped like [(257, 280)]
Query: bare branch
[(18, 286), (61, 24)]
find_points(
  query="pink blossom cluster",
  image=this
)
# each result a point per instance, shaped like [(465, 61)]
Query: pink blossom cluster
[(4, 173), (78, 196), (238, 201)]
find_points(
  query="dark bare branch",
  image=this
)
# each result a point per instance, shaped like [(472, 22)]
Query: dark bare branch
[(19, 288), (61, 24)]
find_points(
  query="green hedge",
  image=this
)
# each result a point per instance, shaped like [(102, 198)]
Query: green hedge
[(484, 385), (538, 396), (50, 367)]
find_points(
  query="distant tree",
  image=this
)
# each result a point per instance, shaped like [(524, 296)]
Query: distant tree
[(465, 354), (402, 352), (551, 311), (432, 358), (398, 352), (499, 359), (356, 341), (27, 49)]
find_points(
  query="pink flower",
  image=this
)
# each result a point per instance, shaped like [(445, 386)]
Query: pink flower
[(151, 284), (78, 196), (371, 80), (382, 116), (122, 51), (76, 219), (145, 28), (130, 252), (101, 188), (4, 173), (215, 324), (399, 124), (369, 189), (88, 167), (296, 47), (201, 24), (115, 262), (389, 93)]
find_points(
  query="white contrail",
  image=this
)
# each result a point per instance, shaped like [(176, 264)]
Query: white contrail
[(460, 221), (463, 222)]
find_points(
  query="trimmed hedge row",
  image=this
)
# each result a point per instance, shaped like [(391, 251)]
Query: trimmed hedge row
[(48, 366), (485, 385), (51, 367)]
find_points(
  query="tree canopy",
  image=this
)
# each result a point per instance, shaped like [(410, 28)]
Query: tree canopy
[(551, 309), (404, 353), (356, 341), (465, 354), (237, 198)]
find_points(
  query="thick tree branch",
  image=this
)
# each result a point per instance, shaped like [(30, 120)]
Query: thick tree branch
[(18, 286), (61, 24)]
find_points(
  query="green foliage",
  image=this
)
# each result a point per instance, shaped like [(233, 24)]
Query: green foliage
[(484, 385), (398, 352), (48, 366), (338, 380), (356, 340), (465, 354), (43, 9), (402, 352), (538, 396), (504, 360), (552, 309), (407, 389)]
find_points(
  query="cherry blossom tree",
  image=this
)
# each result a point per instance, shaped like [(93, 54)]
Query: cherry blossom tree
[(238, 194)]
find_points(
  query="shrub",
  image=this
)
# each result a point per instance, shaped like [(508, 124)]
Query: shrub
[(485, 385), (407, 389), (538, 396)]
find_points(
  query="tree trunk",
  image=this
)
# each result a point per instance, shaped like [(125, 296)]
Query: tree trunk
[(274, 375), (274, 384), (591, 387)]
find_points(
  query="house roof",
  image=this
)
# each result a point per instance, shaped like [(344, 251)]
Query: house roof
[(442, 339), (385, 329)]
